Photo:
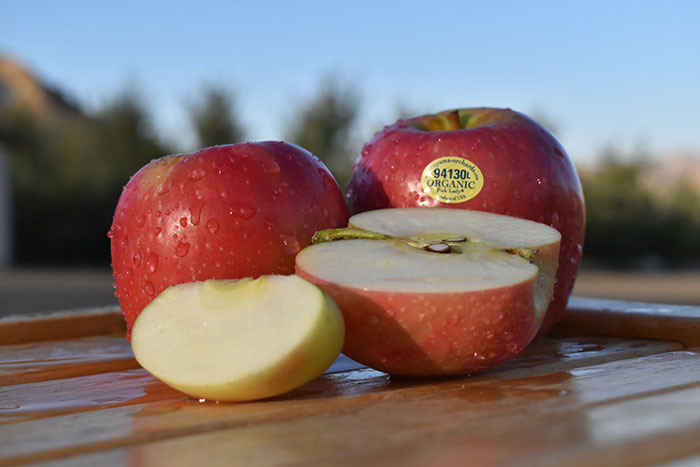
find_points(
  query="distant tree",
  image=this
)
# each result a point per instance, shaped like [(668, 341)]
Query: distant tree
[(324, 126), (630, 222), (67, 176), (620, 212), (214, 119)]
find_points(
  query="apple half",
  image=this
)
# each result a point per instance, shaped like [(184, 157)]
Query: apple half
[(428, 292), (238, 340)]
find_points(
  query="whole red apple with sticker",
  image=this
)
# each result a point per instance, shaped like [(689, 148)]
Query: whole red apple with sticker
[(224, 212), (483, 159)]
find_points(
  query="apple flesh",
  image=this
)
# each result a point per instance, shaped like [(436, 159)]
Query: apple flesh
[(428, 292), (224, 212), (494, 160), (238, 340)]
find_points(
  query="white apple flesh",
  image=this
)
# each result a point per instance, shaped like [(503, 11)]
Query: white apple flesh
[(238, 340), (432, 292)]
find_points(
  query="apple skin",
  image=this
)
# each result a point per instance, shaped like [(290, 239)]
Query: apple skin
[(223, 212), (433, 334), (526, 173)]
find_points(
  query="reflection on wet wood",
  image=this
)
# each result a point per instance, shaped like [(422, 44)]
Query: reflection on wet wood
[(587, 316), (28, 363), (580, 400), (62, 325)]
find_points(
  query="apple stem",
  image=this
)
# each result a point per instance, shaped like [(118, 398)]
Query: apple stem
[(347, 233), (525, 253)]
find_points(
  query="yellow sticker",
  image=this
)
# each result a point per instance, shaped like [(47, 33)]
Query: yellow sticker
[(452, 179)]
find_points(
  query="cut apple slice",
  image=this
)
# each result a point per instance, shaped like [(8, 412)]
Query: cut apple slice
[(237, 340), (435, 291)]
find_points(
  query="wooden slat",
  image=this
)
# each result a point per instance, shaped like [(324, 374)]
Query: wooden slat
[(98, 412), (576, 417), (596, 317), (28, 363), (573, 399), (62, 325)]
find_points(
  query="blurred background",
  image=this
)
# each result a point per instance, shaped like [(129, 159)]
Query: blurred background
[(91, 91)]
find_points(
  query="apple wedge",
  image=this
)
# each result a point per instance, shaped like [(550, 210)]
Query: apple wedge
[(427, 292), (238, 340)]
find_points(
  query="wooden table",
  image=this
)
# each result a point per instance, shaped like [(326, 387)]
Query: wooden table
[(618, 383)]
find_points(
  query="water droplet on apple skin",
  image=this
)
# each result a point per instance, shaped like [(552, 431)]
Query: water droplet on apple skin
[(291, 244), (212, 226), (243, 210), (197, 174), (273, 168), (151, 262), (182, 249), (136, 258), (163, 188), (149, 289)]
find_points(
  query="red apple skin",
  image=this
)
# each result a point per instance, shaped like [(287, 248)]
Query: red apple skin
[(224, 212), (526, 174), (433, 334)]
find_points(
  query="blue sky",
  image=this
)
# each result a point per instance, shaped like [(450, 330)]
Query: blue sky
[(607, 73)]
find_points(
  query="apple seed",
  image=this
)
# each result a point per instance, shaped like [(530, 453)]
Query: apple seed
[(438, 248)]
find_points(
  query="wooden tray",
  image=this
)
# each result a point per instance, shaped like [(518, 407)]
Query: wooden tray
[(618, 383)]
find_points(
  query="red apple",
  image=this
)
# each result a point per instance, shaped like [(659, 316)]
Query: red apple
[(483, 159), (224, 212), (427, 292)]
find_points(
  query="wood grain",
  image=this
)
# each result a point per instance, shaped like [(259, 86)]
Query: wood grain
[(576, 417), (57, 359), (585, 316), (617, 383), (97, 412), (62, 325)]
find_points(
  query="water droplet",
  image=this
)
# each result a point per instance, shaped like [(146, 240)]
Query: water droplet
[(272, 168), (328, 183), (243, 210), (152, 262), (196, 174), (196, 213), (163, 188), (269, 224), (109, 234), (136, 259), (148, 288), (183, 221), (291, 244), (124, 242), (182, 249), (555, 220), (393, 163), (140, 221), (212, 225), (129, 271)]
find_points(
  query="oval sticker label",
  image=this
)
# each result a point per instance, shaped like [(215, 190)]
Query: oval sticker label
[(452, 179)]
